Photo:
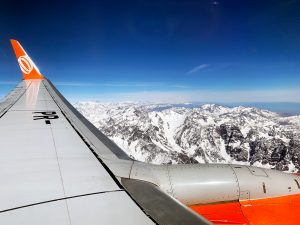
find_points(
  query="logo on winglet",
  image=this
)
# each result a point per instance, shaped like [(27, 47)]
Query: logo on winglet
[(25, 64)]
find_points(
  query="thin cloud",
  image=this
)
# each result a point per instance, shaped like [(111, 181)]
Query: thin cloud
[(198, 68), (284, 95), (74, 84), (121, 84), (8, 82)]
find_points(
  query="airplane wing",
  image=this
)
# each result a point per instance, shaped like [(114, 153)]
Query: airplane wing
[(57, 168)]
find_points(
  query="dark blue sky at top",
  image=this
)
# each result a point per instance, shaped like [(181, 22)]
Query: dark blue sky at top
[(99, 48)]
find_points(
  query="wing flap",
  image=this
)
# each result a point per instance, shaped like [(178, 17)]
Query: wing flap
[(12, 97), (161, 207)]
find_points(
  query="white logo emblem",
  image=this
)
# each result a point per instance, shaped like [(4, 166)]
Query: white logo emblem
[(25, 64)]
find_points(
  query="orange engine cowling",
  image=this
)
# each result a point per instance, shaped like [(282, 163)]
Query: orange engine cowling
[(269, 211)]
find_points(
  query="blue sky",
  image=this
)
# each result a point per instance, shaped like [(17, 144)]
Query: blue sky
[(167, 51)]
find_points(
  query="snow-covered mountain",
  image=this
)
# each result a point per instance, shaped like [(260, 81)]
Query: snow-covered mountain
[(207, 134)]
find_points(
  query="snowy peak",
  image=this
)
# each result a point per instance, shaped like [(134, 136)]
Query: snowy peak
[(211, 133)]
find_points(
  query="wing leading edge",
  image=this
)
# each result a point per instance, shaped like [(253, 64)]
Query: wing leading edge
[(56, 167)]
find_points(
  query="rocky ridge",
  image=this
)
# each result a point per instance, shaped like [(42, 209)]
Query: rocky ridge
[(162, 133)]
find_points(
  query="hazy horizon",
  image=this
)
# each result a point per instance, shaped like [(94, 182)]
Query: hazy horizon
[(284, 108)]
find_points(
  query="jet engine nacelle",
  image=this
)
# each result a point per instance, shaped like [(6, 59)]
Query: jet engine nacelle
[(214, 183)]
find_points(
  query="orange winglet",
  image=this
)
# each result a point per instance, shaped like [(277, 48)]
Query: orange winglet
[(27, 66)]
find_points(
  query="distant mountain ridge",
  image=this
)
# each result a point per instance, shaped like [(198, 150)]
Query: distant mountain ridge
[(162, 133)]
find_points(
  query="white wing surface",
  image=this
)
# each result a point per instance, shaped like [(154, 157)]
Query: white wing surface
[(48, 174), (53, 166)]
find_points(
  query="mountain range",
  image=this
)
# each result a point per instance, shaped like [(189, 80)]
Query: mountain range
[(166, 133)]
